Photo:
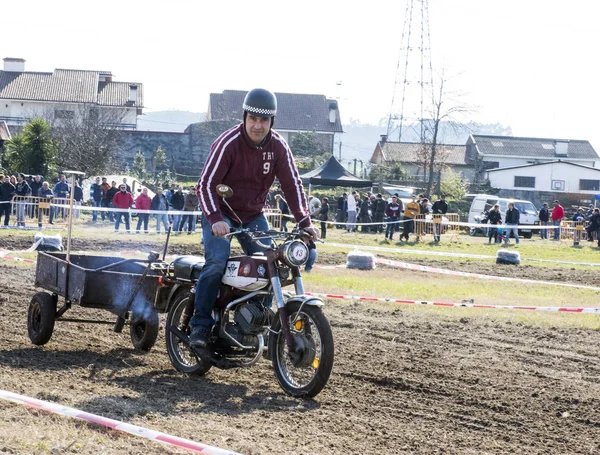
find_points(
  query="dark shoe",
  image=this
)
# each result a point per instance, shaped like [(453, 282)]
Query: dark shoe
[(199, 337)]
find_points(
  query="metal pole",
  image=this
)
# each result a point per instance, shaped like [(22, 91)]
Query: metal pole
[(70, 227)]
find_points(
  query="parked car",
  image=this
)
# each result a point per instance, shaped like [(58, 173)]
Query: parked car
[(483, 203)]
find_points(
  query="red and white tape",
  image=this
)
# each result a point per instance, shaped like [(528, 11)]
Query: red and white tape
[(4, 255), (464, 304), (115, 424)]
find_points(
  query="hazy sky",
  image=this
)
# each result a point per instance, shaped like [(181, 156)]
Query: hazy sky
[(528, 64)]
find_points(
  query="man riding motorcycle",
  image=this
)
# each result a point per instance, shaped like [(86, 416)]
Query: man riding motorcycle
[(247, 158)]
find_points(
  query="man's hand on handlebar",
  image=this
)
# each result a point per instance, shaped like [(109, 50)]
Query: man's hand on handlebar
[(313, 231), (220, 229)]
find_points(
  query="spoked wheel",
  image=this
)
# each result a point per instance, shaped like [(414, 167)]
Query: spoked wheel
[(182, 358), (472, 231), (144, 331), (304, 372), (40, 318)]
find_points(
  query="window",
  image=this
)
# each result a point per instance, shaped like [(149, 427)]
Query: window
[(491, 164), (589, 185), (524, 182), (60, 113)]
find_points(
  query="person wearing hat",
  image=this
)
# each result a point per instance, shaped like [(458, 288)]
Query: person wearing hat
[(557, 215), (247, 158), (411, 210)]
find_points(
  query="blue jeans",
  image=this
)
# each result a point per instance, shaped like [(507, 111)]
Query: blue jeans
[(164, 219), (95, 212), (391, 228), (142, 218), (312, 257), (556, 230), (512, 229), (176, 222), (216, 254), (125, 215), (544, 232)]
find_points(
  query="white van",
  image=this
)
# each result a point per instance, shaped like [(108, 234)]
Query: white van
[(484, 202)]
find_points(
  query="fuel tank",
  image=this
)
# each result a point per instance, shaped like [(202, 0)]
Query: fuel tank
[(248, 273)]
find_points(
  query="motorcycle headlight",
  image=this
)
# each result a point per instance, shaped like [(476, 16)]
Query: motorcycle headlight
[(295, 253)]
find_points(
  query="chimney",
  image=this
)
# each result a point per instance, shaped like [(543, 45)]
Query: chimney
[(332, 111), (15, 65), (561, 148), (383, 139), (132, 94)]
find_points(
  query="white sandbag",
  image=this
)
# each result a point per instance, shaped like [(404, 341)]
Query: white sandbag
[(360, 260)]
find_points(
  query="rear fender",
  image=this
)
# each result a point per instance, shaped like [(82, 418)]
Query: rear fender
[(175, 290)]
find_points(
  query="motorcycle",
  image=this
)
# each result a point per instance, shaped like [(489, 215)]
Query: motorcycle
[(298, 338), (484, 228)]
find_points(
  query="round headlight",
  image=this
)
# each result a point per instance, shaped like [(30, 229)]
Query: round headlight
[(295, 253)]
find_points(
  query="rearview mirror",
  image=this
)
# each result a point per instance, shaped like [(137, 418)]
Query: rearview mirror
[(224, 191)]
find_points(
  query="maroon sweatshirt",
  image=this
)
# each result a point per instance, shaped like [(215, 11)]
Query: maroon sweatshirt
[(249, 170)]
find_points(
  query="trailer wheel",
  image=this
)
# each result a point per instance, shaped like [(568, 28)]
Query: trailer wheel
[(40, 318), (144, 332)]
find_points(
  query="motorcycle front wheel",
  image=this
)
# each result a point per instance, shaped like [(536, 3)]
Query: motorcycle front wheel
[(181, 356), (305, 372)]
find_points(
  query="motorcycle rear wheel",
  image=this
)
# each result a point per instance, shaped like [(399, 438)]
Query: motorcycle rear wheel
[(311, 372), (181, 357)]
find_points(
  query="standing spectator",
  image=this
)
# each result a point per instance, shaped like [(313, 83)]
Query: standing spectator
[(46, 192), (363, 215), (22, 190), (324, 216), (340, 214), (494, 217), (281, 204), (590, 212), (35, 184), (159, 202), (424, 206), (7, 191), (378, 209), (96, 195), (110, 194), (61, 191), (392, 212), (351, 223), (122, 200), (126, 185), (177, 202), (143, 202), (544, 216), (77, 198), (578, 218), (511, 218), (410, 212), (594, 227), (440, 208), (558, 213), (105, 200), (190, 205), (312, 254)]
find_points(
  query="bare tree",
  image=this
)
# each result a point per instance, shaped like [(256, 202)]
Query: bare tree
[(445, 108), (89, 137)]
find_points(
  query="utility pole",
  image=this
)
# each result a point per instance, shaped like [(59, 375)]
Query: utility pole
[(340, 150), (354, 166)]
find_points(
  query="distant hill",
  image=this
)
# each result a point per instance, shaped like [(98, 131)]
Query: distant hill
[(358, 141), (172, 121)]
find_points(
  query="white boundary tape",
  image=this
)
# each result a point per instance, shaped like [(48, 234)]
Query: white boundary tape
[(464, 304), (114, 424)]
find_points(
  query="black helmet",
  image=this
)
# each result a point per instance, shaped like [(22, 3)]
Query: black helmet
[(260, 102)]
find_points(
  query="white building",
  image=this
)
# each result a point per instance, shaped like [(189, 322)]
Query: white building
[(66, 93), (491, 152)]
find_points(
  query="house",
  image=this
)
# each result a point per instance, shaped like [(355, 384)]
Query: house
[(414, 156), (296, 113), (491, 152), (66, 93), (544, 182)]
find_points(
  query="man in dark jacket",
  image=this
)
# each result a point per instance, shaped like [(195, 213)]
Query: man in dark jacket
[(363, 214), (494, 217), (7, 191), (96, 194), (110, 194), (177, 202), (22, 190), (593, 230), (544, 217), (378, 211), (511, 219), (392, 212), (439, 208)]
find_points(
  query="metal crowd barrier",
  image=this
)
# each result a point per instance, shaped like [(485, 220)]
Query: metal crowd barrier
[(26, 208), (274, 217), (575, 230), (428, 224)]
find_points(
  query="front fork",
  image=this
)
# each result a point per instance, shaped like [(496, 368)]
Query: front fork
[(280, 299)]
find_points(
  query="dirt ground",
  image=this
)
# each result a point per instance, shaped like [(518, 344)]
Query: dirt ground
[(404, 382)]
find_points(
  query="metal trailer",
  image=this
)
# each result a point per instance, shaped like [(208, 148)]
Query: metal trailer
[(124, 287)]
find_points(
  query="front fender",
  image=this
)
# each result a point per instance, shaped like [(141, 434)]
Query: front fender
[(305, 300)]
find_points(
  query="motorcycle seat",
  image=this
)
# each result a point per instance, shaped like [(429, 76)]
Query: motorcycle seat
[(188, 267)]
